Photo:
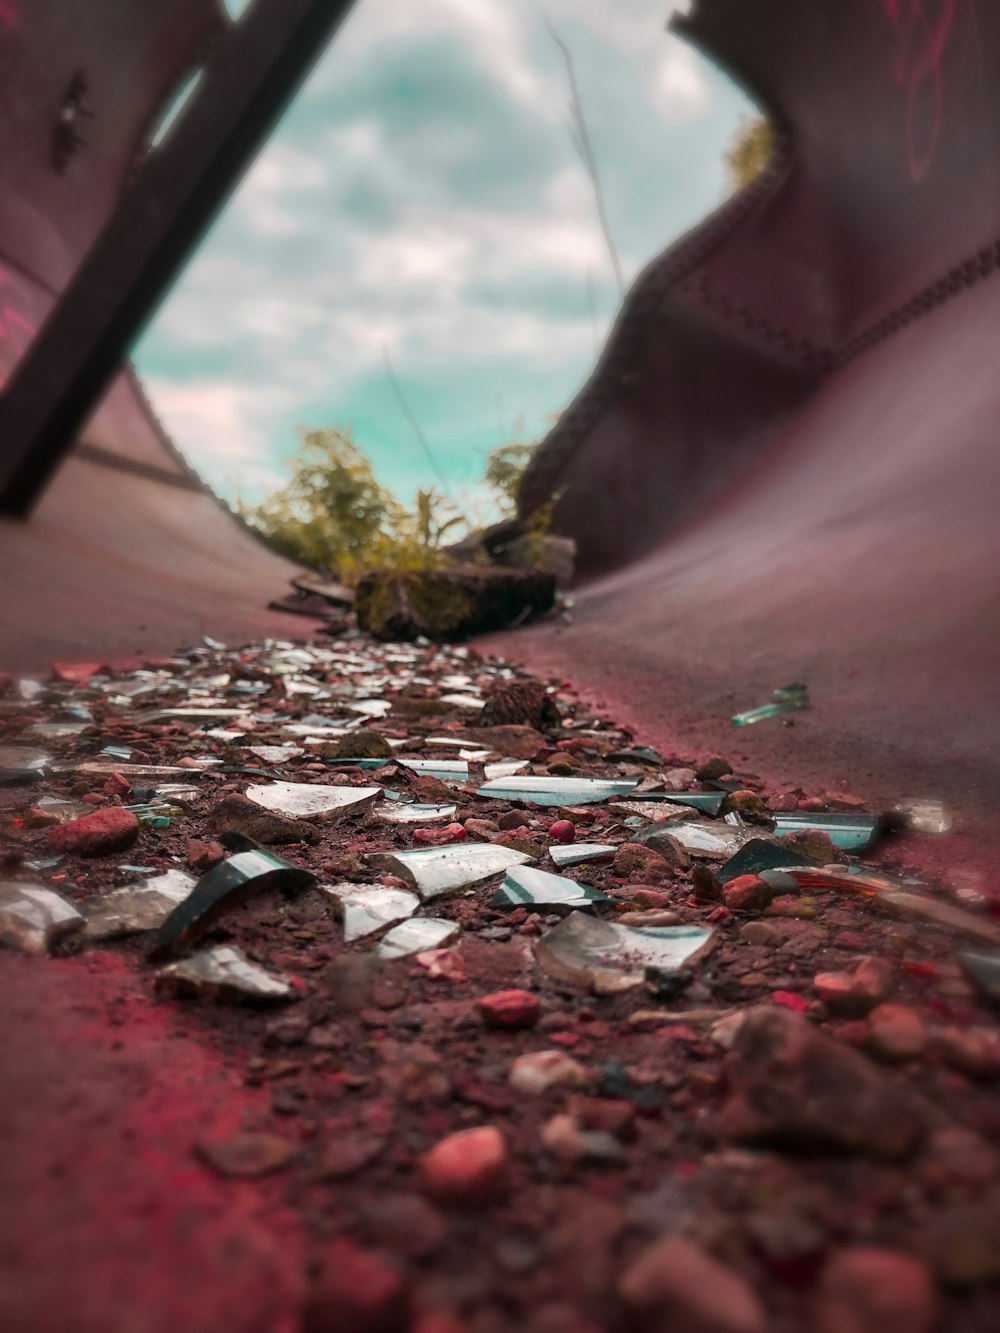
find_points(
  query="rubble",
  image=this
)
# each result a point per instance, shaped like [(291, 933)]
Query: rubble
[(642, 1016)]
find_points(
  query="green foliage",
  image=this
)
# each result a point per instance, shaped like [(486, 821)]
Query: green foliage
[(334, 514), (750, 152), (504, 469)]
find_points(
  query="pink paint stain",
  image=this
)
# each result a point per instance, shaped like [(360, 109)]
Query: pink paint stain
[(925, 29), (11, 320)]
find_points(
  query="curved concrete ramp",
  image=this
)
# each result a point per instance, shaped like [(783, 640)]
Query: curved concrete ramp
[(792, 435), (128, 552)]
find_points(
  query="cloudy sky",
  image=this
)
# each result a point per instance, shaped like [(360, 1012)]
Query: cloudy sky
[(423, 196)]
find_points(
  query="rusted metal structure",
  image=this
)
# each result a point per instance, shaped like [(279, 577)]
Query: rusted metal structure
[(786, 451), (126, 547)]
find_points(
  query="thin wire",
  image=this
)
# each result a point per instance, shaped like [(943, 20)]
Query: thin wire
[(415, 424)]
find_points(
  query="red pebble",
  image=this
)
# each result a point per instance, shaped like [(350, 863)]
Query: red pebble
[(436, 837), (116, 785), (110, 830), (510, 1010), (94, 798), (77, 673), (467, 1167), (789, 1000), (563, 830), (355, 1290)]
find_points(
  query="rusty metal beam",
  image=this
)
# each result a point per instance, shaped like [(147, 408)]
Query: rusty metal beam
[(251, 77)]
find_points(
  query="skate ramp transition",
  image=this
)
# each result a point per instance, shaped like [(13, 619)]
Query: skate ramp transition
[(784, 466), (128, 551)]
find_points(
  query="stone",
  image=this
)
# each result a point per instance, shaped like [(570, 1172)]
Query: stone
[(711, 769), (896, 1033), (36, 920), (418, 935), (510, 1010), (537, 1072), (524, 703), (869, 1290), (223, 974), (453, 603), (675, 1286), (747, 893), (348, 1153), (814, 844), (659, 838), (246, 1156), (563, 830), (745, 803), (362, 744), (467, 1168), (481, 829), (203, 855), (355, 1291), (112, 829), (564, 1139), (796, 1088), (763, 933), (633, 861), (519, 741), (237, 815), (857, 993), (961, 1242)]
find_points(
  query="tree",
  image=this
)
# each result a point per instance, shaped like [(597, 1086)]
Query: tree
[(332, 513), (750, 152), (504, 469)]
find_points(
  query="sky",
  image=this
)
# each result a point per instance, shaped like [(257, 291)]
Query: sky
[(423, 198)]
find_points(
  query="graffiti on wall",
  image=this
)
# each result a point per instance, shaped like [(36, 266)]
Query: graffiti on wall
[(925, 30)]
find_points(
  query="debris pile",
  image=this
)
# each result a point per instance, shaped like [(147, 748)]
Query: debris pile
[(559, 1033)]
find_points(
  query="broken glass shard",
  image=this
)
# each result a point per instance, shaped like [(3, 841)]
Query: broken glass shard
[(399, 812), (108, 767), (505, 768), (36, 920), (223, 974), (710, 842), (469, 701), (224, 887), (604, 957), (636, 754), (925, 816), (528, 887), (919, 907), (20, 764), (448, 770), (852, 833), (708, 802), (416, 936), (577, 853), (436, 870), (759, 855), (370, 707), (366, 908), (983, 970), (306, 800), (275, 754), (646, 810), (62, 811), (557, 791), (136, 907), (787, 699)]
